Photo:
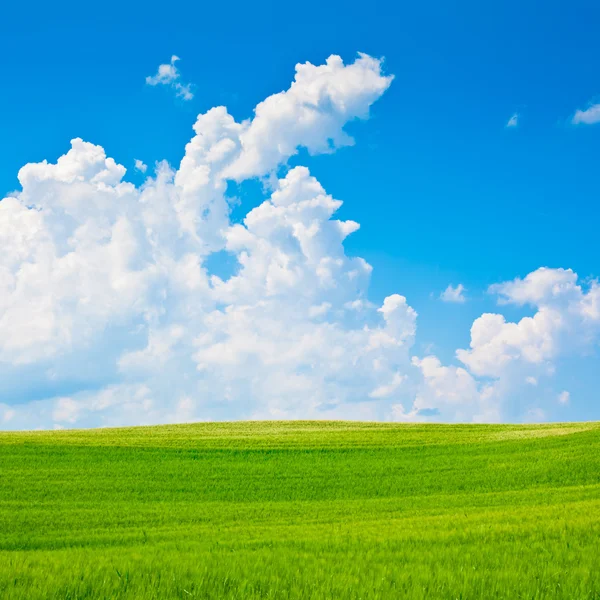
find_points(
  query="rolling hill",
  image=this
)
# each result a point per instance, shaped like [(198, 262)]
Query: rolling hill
[(296, 510)]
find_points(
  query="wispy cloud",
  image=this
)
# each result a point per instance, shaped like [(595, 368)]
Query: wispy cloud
[(589, 116), (140, 166), (513, 121), (168, 74), (454, 294)]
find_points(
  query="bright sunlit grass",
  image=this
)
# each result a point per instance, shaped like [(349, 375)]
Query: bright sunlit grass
[(301, 510)]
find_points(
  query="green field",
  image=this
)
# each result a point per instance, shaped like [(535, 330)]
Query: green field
[(302, 510)]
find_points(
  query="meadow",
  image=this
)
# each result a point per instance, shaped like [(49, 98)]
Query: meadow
[(301, 510)]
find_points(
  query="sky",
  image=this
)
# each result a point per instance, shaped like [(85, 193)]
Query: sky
[(382, 212)]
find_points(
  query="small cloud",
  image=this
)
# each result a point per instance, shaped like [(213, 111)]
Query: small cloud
[(165, 74), (140, 166), (589, 116), (531, 380), (454, 294), (513, 121), (564, 397), (184, 90), (168, 74)]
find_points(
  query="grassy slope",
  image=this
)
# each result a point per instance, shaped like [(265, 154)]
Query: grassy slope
[(301, 510)]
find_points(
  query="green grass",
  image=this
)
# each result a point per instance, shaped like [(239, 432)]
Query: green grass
[(301, 510)]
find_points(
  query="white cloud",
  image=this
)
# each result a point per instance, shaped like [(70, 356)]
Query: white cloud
[(566, 318), (450, 393), (544, 286), (513, 121), (386, 390), (184, 90), (106, 284), (107, 301), (454, 294), (310, 114), (66, 410), (168, 74), (589, 116), (564, 397), (140, 166)]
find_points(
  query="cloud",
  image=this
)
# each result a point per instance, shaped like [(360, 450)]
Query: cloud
[(589, 116), (454, 294), (168, 74), (110, 313), (310, 114), (106, 290), (567, 318), (386, 390), (140, 166), (513, 121), (451, 393), (184, 90), (564, 397)]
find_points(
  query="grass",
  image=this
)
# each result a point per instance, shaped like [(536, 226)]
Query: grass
[(301, 510)]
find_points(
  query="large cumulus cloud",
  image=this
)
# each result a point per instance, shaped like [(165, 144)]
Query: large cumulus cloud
[(109, 314)]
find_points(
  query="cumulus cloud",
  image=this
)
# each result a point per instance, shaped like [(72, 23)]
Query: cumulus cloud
[(454, 294), (168, 74), (110, 313), (450, 393), (310, 114), (513, 121), (106, 291), (566, 318), (588, 116), (140, 166)]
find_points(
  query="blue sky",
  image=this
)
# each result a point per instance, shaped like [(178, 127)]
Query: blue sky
[(444, 192)]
